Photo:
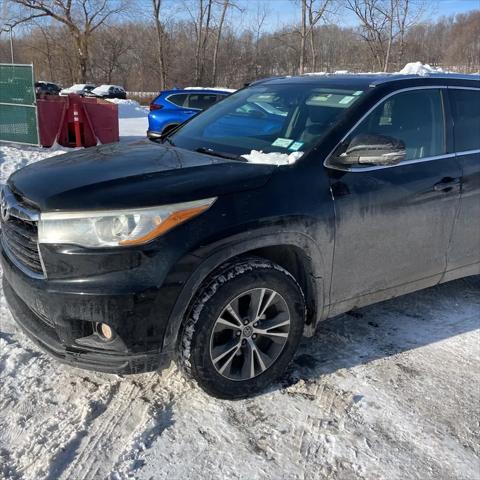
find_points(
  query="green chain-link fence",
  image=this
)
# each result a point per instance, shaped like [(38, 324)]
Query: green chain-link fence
[(18, 111)]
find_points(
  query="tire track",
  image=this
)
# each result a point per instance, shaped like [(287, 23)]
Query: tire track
[(106, 434)]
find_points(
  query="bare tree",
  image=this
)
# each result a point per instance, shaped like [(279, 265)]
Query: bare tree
[(312, 12), (110, 48), (226, 4), (316, 11), (81, 17), (160, 31), (382, 23), (201, 15), (372, 26)]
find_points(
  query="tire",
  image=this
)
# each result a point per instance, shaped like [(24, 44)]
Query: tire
[(230, 360)]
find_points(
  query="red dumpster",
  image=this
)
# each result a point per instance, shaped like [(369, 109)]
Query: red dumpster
[(74, 121)]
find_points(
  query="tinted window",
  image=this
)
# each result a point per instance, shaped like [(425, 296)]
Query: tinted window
[(177, 99), (466, 117), (414, 119), (201, 100)]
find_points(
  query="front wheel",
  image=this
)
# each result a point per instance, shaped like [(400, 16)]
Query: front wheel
[(243, 328)]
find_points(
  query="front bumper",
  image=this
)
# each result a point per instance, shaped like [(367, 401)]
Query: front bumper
[(60, 318), (152, 134), (47, 339)]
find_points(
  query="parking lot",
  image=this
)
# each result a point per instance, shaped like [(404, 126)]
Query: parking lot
[(390, 391)]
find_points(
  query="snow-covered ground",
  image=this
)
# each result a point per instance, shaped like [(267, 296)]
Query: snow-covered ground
[(132, 118), (390, 391)]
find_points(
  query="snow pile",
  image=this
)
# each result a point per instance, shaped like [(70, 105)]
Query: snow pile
[(412, 68), (133, 119), (419, 68), (13, 157), (216, 89), (272, 158), (129, 108), (77, 88)]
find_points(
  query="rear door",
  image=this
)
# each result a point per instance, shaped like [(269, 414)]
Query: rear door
[(393, 223), (465, 245)]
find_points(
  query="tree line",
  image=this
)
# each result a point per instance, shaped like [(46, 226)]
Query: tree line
[(149, 45)]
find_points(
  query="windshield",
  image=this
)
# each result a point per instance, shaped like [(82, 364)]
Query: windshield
[(266, 122), (101, 89)]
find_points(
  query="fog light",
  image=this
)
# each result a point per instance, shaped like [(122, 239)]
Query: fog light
[(105, 331)]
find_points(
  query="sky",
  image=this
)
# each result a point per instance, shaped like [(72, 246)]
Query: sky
[(282, 12), (287, 12)]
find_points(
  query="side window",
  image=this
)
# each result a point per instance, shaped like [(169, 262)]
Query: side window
[(406, 126), (201, 101), (466, 118), (177, 99)]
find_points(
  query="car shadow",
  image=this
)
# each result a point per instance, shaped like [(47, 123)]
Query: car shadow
[(386, 329)]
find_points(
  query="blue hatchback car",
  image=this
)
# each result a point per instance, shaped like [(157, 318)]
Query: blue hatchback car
[(173, 107)]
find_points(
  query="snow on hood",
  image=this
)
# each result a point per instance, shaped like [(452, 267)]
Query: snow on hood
[(272, 158), (419, 68)]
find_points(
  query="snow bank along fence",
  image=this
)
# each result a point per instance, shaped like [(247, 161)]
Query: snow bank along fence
[(18, 108), (143, 98)]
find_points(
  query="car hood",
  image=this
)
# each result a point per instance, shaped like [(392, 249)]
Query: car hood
[(139, 174)]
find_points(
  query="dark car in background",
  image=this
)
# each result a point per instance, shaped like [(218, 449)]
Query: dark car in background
[(108, 91), (221, 244), (173, 107), (46, 88)]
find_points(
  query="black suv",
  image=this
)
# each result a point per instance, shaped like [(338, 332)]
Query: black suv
[(46, 88), (292, 200)]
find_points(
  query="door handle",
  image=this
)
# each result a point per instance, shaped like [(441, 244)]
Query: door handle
[(447, 184)]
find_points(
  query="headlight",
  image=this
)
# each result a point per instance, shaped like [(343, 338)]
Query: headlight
[(116, 227)]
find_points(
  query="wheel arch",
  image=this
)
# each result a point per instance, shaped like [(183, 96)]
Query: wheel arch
[(296, 252), (171, 125)]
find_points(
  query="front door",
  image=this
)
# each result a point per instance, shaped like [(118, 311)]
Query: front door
[(393, 223)]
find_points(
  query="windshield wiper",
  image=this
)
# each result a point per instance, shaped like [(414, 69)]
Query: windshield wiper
[(214, 153)]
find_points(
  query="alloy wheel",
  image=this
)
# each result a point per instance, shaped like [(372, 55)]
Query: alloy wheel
[(250, 333)]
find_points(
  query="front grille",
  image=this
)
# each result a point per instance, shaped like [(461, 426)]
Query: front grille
[(20, 233)]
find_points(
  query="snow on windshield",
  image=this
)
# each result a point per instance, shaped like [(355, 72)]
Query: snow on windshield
[(272, 158)]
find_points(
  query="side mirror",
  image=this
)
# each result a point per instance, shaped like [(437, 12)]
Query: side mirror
[(369, 149)]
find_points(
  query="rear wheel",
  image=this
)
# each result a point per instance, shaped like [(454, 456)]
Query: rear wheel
[(243, 329)]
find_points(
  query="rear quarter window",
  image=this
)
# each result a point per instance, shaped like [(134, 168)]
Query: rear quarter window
[(177, 99)]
